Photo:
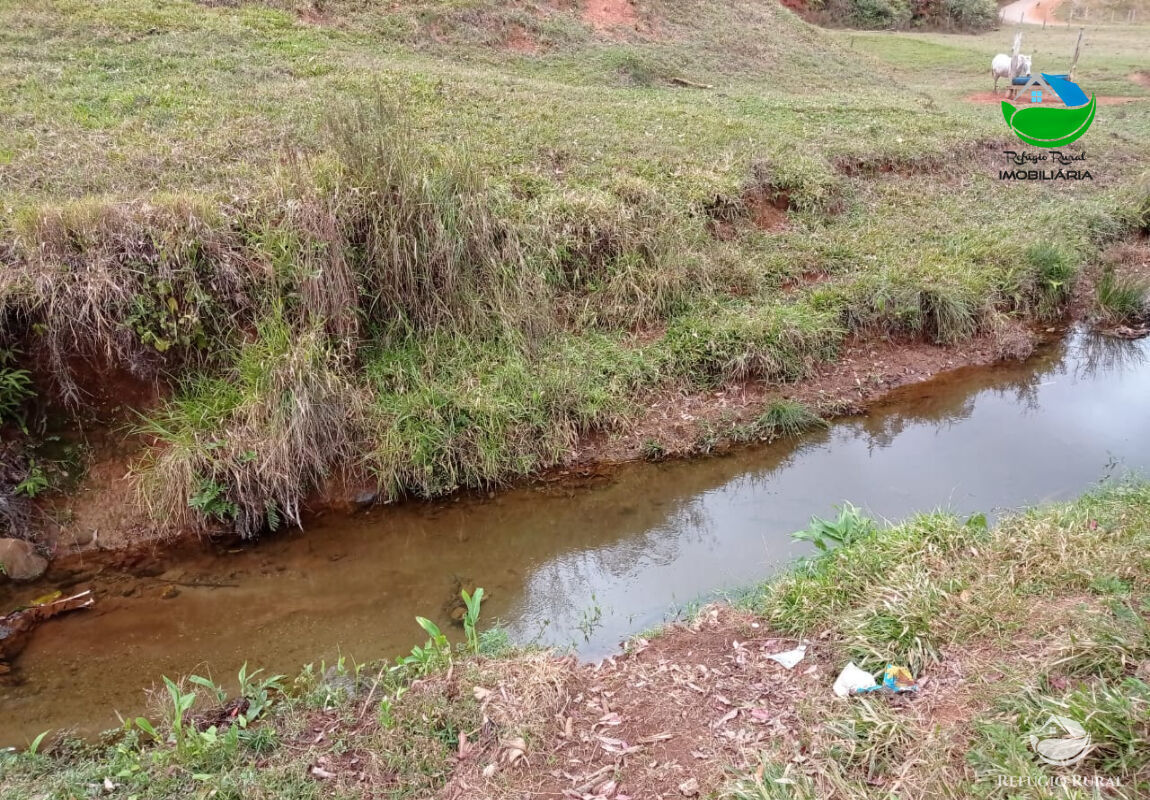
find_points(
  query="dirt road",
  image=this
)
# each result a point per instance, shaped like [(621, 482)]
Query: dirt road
[(1034, 12)]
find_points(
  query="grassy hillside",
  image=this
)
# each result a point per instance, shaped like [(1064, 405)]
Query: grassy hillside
[(432, 246), (1045, 613)]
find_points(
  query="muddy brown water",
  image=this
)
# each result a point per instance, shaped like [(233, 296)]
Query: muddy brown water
[(585, 566)]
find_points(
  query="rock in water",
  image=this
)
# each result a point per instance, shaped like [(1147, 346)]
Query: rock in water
[(20, 561)]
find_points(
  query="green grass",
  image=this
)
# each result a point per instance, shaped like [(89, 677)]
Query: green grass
[(480, 255), (1121, 299), (1053, 602)]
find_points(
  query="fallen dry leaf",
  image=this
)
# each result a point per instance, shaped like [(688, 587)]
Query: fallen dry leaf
[(514, 750), (321, 773), (723, 720)]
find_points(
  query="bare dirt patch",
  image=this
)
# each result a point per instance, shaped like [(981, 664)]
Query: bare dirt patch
[(520, 40), (1142, 78), (758, 208), (311, 16), (606, 14), (664, 719), (1034, 12), (767, 214)]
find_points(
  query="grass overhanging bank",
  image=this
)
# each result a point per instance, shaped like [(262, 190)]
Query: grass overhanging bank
[(459, 259), (1046, 613)]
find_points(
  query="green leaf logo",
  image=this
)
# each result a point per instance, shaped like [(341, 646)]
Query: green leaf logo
[(1049, 127)]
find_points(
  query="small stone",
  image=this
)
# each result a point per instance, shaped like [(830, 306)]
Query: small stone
[(81, 538), (169, 592), (20, 561), (689, 787), (365, 498)]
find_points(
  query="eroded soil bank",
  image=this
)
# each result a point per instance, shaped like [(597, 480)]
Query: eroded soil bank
[(580, 564)]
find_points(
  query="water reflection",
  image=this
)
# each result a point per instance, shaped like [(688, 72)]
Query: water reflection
[(588, 567)]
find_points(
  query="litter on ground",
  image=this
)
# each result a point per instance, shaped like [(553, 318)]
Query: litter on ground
[(853, 680), (789, 658)]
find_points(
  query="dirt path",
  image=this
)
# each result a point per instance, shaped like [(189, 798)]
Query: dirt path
[(610, 13), (1033, 12)]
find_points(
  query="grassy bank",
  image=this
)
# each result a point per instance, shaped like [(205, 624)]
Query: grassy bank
[(1046, 613), (436, 246)]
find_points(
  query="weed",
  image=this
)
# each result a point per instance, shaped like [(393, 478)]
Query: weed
[(590, 618), (181, 729), (34, 747), (849, 527), (652, 450), (34, 482), (15, 387), (422, 660), (472, 604)]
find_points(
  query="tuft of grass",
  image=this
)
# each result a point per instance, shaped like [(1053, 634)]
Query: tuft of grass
[(872, 739), (768, 342), (426, 248), (787, 418), (798, 182), (1054, 273), (137, 284), (1121, 299), (245, 447)]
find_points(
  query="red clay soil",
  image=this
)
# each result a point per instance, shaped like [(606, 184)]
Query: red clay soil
[(520, 40), (767, 215), (665, 719), (994, 98), (605, 14)]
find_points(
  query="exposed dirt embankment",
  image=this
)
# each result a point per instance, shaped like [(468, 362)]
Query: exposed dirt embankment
[(104, 513)]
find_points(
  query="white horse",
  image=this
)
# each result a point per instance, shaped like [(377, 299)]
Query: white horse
[(1010, 66)]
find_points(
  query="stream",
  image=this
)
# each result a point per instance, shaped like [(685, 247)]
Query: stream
[(583, 566)]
